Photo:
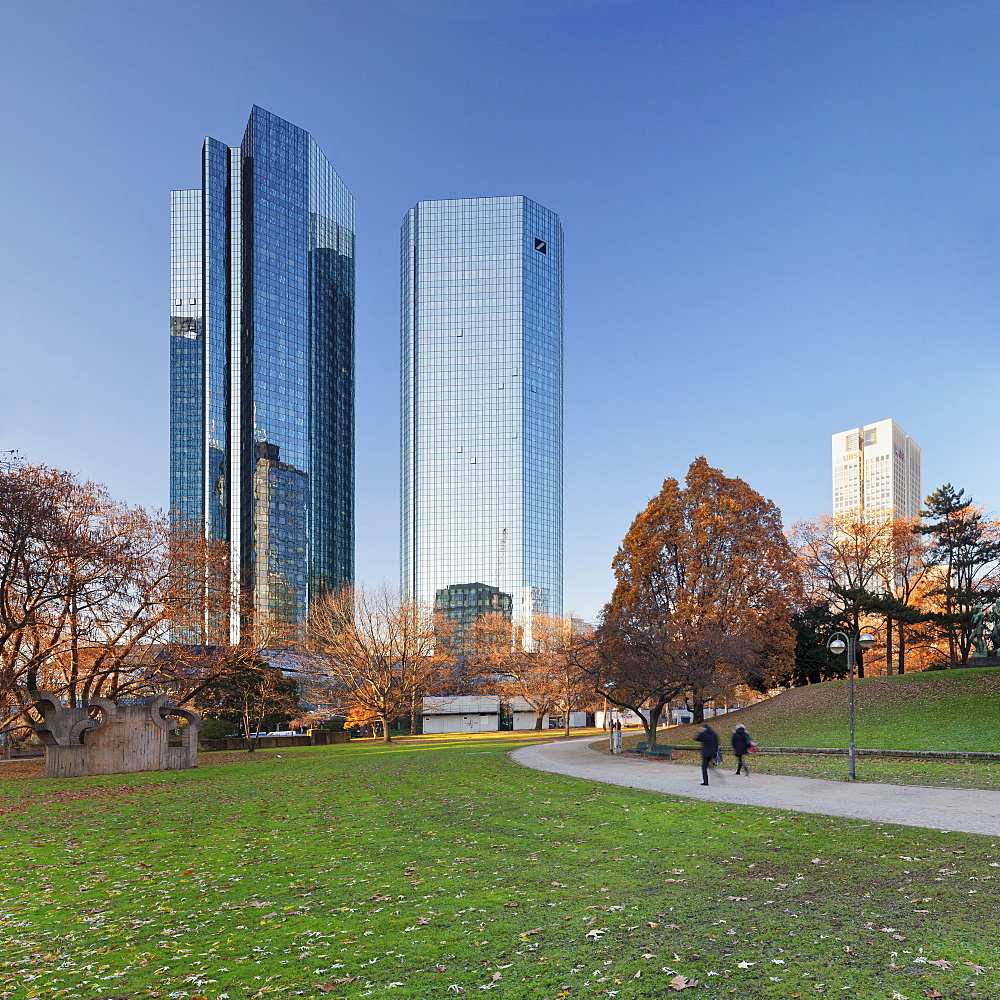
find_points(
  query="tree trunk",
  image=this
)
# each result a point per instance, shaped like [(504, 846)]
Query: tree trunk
[(698, 709), (859, 661), (901, 647), (655, 712), (538, 720), (386, 738)]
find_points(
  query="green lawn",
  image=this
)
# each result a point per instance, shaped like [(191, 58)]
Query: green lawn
[(435, 867), (936, 710)]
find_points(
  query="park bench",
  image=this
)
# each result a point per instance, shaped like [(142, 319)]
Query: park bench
[(653, 750)]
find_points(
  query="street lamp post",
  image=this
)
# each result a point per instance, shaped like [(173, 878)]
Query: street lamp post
[(850, 642), (615, 741)]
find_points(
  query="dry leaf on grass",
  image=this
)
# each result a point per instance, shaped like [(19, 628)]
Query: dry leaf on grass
[(682, 983)]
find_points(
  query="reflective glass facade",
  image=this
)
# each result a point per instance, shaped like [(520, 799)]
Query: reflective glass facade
[(262, 366), (482, 292)]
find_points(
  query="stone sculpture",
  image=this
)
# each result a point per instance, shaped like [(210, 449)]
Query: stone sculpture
[(105, 737)]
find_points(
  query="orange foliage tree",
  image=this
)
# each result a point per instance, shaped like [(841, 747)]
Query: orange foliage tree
[(706, 583)]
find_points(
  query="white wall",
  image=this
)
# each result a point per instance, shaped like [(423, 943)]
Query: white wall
[(461, 724), (526, 720)]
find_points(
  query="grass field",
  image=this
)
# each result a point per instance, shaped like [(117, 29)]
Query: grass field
[(937, 710), (436, 867)]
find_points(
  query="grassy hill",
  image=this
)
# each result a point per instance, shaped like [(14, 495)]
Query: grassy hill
[(938, 710)]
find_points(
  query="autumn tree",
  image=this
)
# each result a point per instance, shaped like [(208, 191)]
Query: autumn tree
[(706, 583), (86, 593), (868, 567), (546, 673), (965, 547), (252, 694), (382, 653), (845, 560)]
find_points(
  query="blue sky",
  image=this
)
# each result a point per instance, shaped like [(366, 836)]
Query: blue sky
[(782, 219)]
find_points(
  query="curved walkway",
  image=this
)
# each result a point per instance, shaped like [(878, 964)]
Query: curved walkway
[(961, 809)]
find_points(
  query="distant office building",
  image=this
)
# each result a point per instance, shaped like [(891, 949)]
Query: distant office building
[(482, 291), (262, 368), (464, 603), (876, 471)]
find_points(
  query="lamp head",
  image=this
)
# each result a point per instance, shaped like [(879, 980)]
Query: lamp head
[(837, 646), (865, 641)]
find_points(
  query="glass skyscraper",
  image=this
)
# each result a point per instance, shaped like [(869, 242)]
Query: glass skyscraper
[(482, 316), (262, 368)]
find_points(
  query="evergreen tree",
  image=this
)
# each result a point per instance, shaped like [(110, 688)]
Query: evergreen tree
[(965, 549)]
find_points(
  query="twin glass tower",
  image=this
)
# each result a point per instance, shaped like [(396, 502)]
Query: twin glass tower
[(482, 317), (262, 368), (262, 385)]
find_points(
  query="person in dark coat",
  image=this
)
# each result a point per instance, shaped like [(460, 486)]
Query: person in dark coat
[(741, 747), (709, 740)]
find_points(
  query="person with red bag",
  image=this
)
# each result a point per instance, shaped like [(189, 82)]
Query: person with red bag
[(742, 745)]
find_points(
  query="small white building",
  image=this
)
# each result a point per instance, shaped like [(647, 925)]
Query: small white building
[(462, 714), (482, 714)]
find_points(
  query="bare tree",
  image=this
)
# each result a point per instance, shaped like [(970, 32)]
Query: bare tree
[(868, 567), (383, 653)]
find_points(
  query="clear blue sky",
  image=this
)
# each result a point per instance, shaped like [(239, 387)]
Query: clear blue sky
[(782, 219)]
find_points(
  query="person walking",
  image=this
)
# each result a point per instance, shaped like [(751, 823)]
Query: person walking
[(741, 747), (709, 740)]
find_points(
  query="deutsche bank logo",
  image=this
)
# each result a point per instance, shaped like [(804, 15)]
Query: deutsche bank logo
[(540, 246)]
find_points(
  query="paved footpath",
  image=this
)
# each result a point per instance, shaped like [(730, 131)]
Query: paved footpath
[(965, 810)]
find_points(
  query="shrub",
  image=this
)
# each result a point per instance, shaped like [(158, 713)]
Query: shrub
[(215, 729)]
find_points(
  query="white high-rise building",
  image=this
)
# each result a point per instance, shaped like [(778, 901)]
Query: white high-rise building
[(876, 470)]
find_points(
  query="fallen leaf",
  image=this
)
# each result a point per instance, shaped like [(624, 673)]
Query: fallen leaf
[(597, 932), (941, 963), (933, 993), (682, 982), (455, 988), (977, 969)]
